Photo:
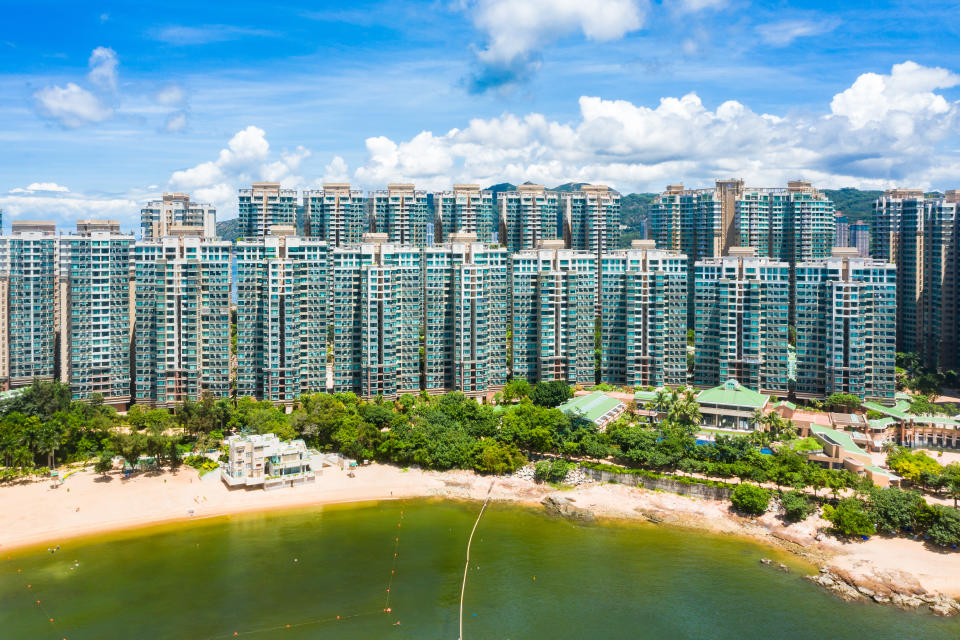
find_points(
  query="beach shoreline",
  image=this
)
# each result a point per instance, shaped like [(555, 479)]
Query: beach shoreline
[(883, 569)]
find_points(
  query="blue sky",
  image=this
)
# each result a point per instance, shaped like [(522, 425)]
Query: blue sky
[(104, 106)]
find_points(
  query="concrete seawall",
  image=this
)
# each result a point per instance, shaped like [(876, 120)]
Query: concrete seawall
[(693, 490)]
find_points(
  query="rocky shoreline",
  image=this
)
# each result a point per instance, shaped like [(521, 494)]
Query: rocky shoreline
[(858, 581)]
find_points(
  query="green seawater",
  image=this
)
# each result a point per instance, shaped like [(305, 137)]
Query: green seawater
[(531, 576)]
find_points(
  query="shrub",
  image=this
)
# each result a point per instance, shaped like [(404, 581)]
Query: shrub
[(849, 517), (201, 463), (552, 470), (944, 528), (750, 498), (796, 505)]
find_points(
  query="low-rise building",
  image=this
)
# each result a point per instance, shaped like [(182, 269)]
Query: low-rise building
[(266, 461), (732, 406), (597, 407), (841, 452)]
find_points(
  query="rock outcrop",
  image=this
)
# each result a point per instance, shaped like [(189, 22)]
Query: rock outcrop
[(891, 587), (564, 507)]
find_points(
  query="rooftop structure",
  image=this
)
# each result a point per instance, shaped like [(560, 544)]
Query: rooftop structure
[(176, 215), (264, 205), (731, 406)]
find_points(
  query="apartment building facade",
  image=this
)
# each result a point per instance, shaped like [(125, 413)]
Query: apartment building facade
[(846, 327), (263, 205), (553, 296), (464, 210), (95, 315), (176, 215), (741, 321), (591, 219), (528, 216), (181, 320), (403, 213), (643, 312), (281, 317), (336, 214)]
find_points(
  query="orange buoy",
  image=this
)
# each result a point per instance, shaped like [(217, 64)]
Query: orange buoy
[(236, 633), (391, 571), (29, 585), (338, 617), (388, 590), (388, 609), (38, 602), (51, 619), (288, 626)]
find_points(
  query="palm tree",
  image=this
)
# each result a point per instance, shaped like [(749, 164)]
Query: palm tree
[(953, 489), (757, 420), (661, 401), (686, 410)]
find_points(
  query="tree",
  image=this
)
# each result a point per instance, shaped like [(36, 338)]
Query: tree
[(843, 402), (796, 505), (130, 446), (174, 456), (550, 393), (661, 401), (849, 517), (685, 410), (515, 390), (893, 509), (750, 499), (104, 463), (497, 458), (944, 528)]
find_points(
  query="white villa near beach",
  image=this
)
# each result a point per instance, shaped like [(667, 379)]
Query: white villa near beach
[(266, 461)]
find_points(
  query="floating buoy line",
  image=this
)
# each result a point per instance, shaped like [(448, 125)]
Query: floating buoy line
[(466, 566)]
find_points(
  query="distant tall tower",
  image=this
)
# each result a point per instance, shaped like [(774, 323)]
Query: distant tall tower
[(466, 209), (176, 215), (860, 238), (528, 216), (842, 234), (591, 218), (402, 212), (264, 205), (337, 214)]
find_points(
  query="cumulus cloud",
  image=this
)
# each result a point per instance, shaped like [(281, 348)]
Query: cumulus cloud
[(71, 106), (170, 95), (103, 68), (516, 31), (884, 129), (245, 159)]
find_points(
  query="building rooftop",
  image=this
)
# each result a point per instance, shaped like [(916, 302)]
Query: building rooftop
[(733, 394), (842, 438), (594, 407)]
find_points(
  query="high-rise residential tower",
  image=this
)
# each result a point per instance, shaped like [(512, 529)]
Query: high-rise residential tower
[(528, 216), (553, 296), (898, 238), (643, 297), (466, 209), (176, 215), (466, 307), (793, 224), (376, 309), (700, 223), (181, 320), (846, 326), (95, 325), (841, 237), (742, 313), (403, 213), (32, 302), (281, 316), (860, 238), (591, 219), (264, 205), (336, 214)]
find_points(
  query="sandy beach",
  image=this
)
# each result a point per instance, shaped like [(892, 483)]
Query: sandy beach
[(87, 503)]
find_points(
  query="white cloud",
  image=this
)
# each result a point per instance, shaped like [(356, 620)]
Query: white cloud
[(246, 159), (516, 30), (182, 36), (336, 171), (41, 186), (103, 69), (883, 130), (170, 95), (781, 34), (904, 98), (71, 106), (66, 210), (176, 122), (694, 6)]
